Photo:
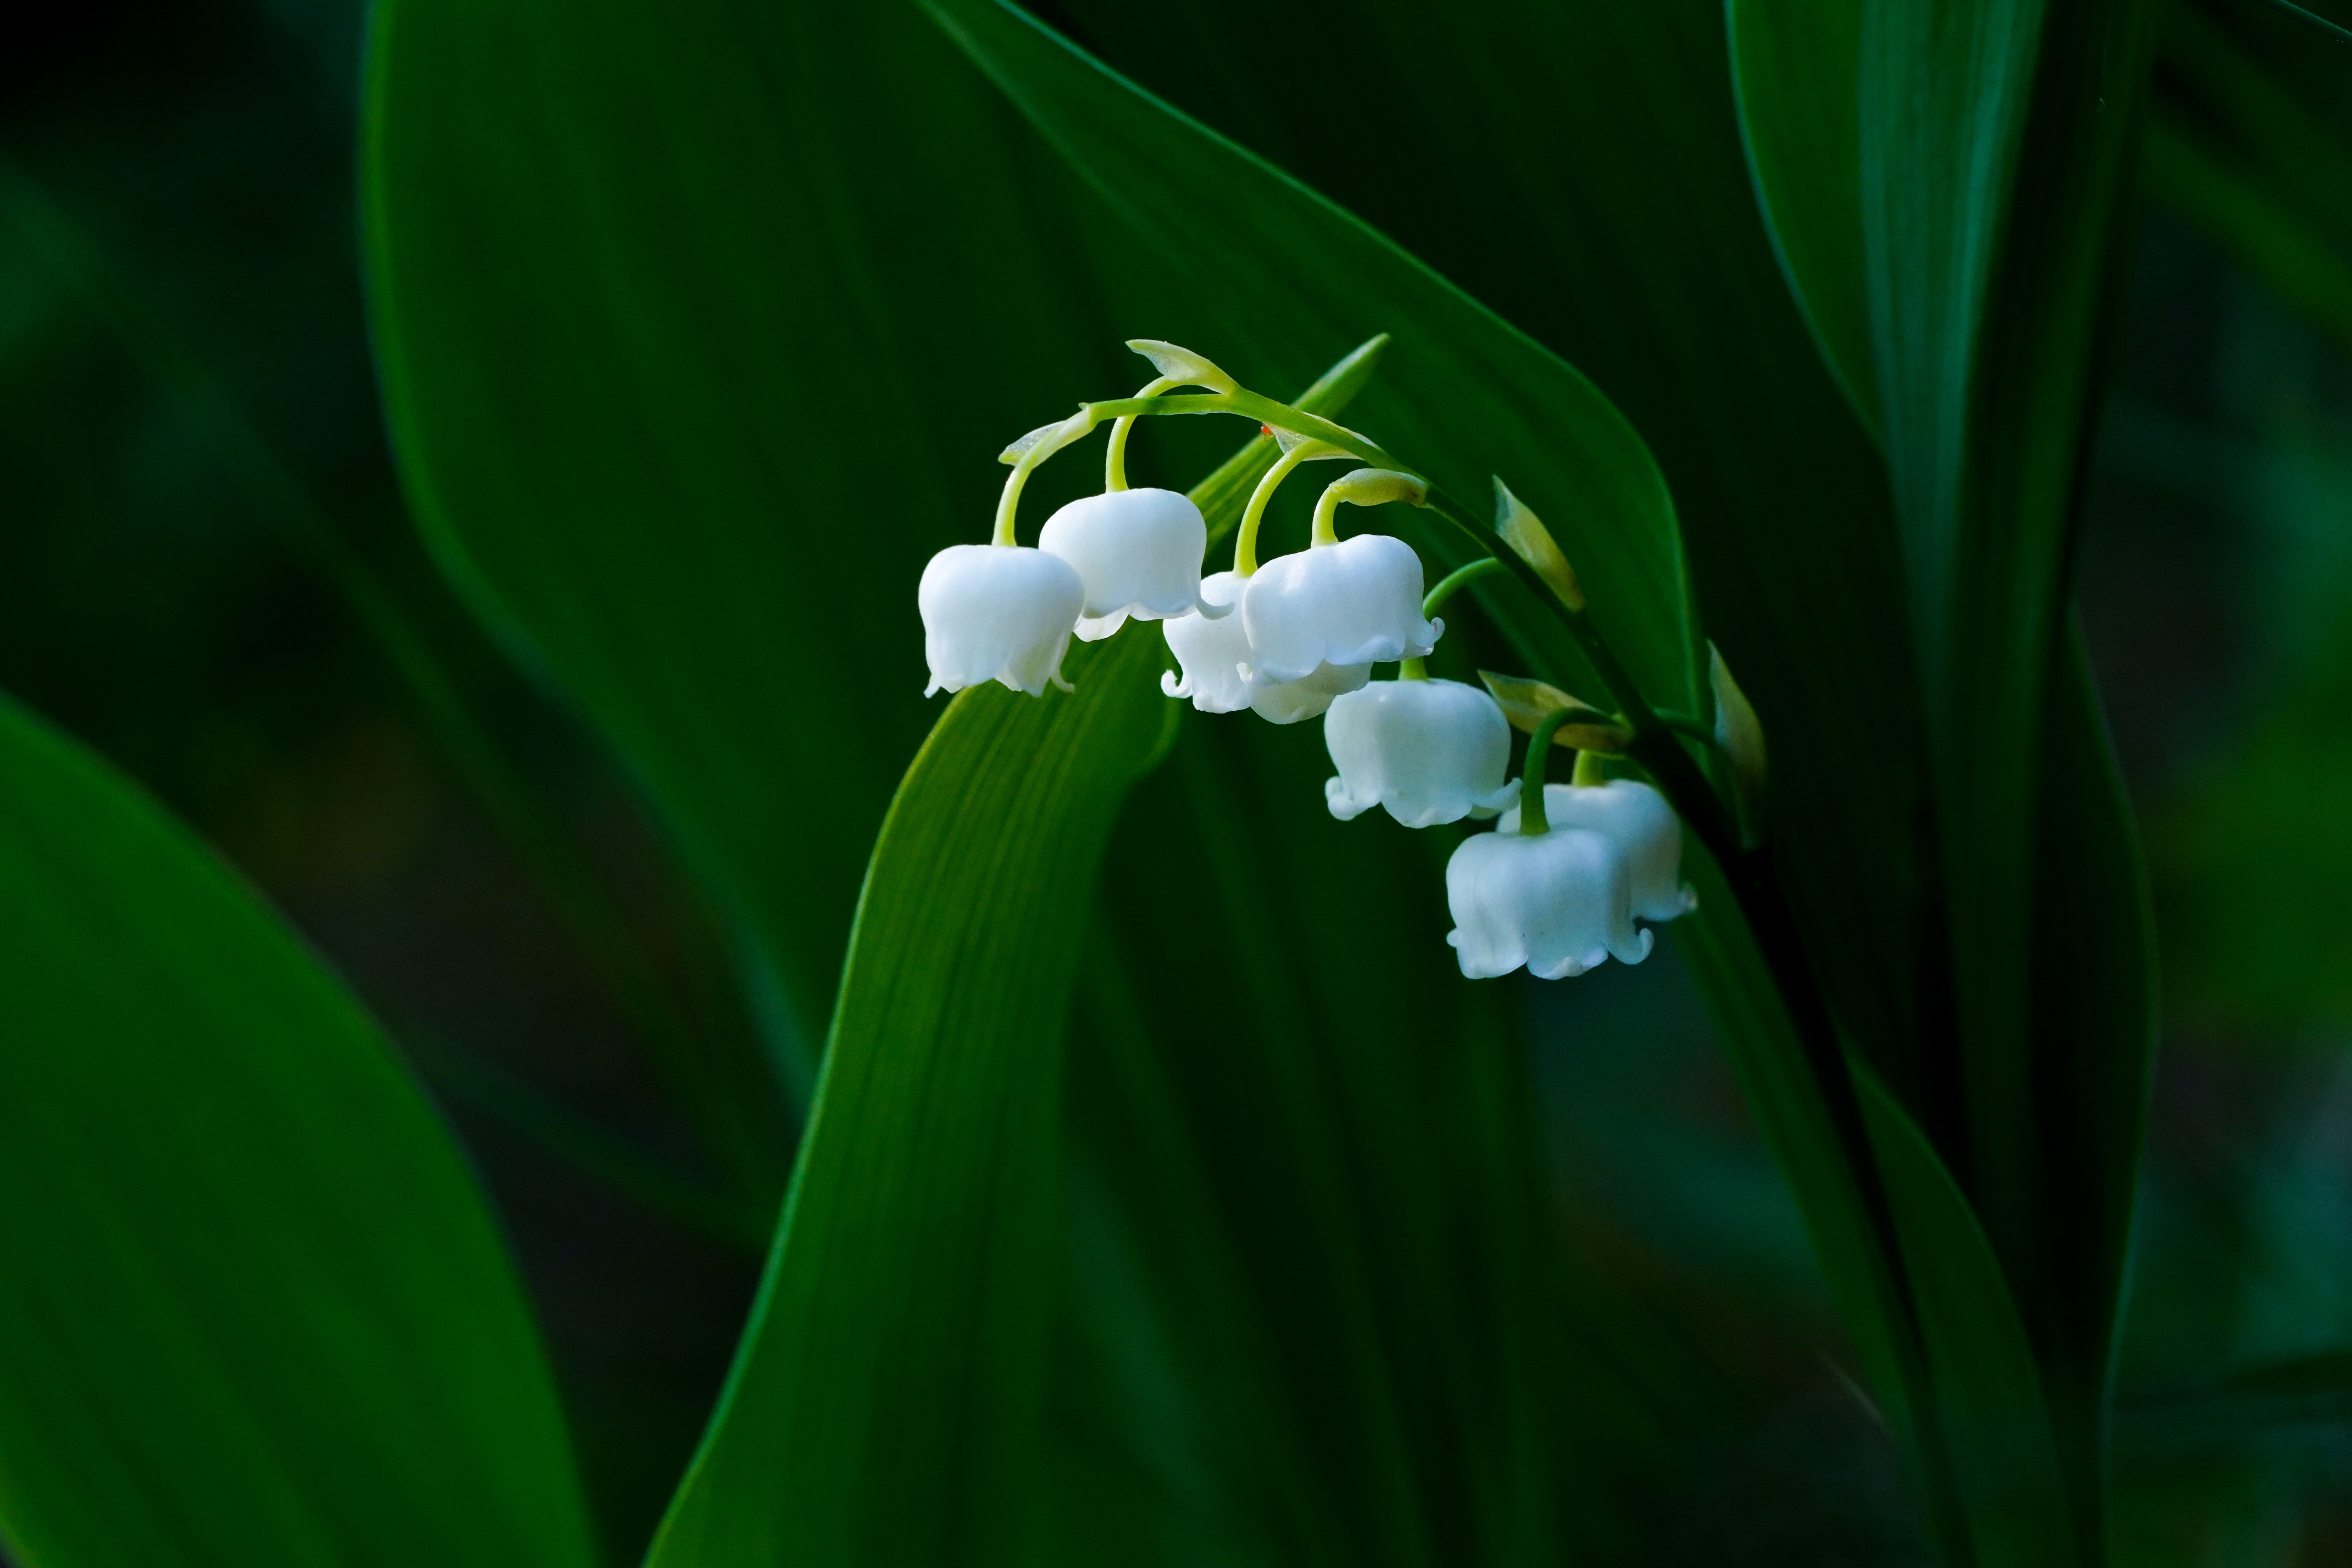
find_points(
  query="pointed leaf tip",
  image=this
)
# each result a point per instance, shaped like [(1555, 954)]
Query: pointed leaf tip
[(1184, 366), (1524, 532), (1527, 702), (1740, 735)]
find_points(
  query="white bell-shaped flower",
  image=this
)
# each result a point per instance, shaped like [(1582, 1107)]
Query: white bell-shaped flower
[(1210, 652), (1138, 552), (1336, 606), (998, 612), (1560, 903), (1428, 750), (1637, 819)]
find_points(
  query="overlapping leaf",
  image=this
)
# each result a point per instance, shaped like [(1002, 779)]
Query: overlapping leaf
[(255, 1309)]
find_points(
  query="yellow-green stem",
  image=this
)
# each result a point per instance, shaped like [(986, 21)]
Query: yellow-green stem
[(1326, 513), (1532, 820), (1246, 545), (1115, 457), (1453, 581)]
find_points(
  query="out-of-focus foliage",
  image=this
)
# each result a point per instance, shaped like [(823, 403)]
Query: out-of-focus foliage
[(255, 1309)]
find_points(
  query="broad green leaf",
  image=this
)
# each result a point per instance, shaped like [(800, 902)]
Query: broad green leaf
[(884, 1406), (1988, 1400), (885, 1403), (1795, 66), (679, 310), (255, 1310), (1995, 140)]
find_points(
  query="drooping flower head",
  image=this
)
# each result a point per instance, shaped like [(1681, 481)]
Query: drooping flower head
[(1559, 903), (1428, 750), (998, 613), (1316, 618), (1138, 553), (1637, 819), (1002, 611)]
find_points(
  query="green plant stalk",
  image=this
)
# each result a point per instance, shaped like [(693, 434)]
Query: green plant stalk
[(1533, 820)]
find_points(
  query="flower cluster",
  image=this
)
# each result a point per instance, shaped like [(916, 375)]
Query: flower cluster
[(1556, 887)]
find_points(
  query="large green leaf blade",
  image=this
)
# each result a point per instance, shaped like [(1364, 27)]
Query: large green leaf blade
[(1794, 65), (885, 1400), (1988, 1396), (884, 1406), (255, 1310), (675, 307)]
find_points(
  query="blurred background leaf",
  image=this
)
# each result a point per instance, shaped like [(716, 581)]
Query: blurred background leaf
[(255, 1310)]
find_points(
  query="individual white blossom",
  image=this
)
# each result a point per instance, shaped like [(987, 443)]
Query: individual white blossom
[(1138, 552), (1559, 903), (998, 612), (1211, 652), (1428, 751), (1637, 819), (1335, 607)]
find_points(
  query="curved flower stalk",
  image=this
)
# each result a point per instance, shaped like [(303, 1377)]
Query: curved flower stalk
[(1429, 752)]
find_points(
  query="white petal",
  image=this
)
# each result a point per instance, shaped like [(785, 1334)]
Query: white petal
[(1559, 903), (1138, 552), (1289, 701), (1356, 601), (1428, 750), (1209, 651), (1644, 828), (998, 613)]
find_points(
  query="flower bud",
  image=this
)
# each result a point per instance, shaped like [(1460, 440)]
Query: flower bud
[(1138, 553), (1638, 821), (998, 612), (1350, 605), (1559, 903), (1428, 751)]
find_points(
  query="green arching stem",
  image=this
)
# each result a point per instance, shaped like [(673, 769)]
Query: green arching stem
[(1246, 541), (1115, 455), (1453, 581), (1532, 820), (1008, 503), (1326, 513)]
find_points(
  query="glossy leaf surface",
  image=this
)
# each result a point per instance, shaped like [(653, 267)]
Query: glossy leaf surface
[(255, 1310)]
